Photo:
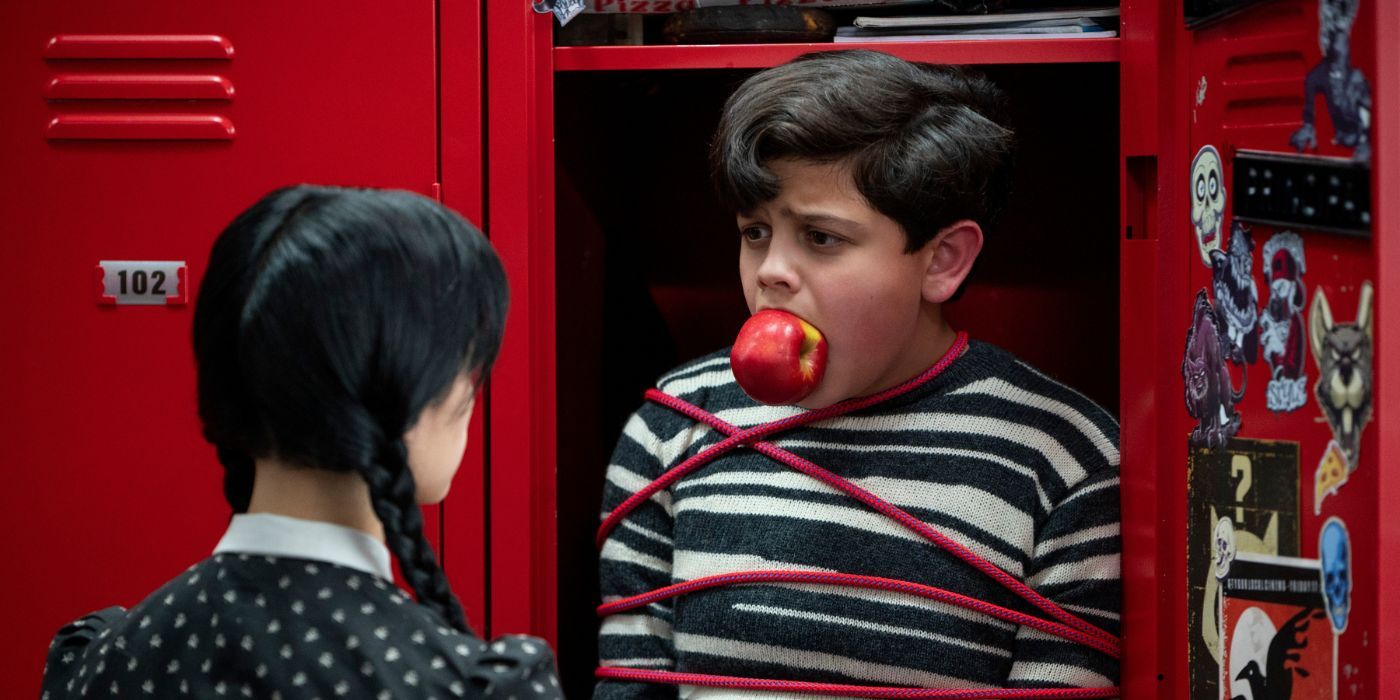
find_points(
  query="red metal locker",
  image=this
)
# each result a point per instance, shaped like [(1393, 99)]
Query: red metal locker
[(136, 133), (1159, 271)]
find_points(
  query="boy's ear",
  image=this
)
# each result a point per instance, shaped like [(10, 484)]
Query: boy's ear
[(950, 256)]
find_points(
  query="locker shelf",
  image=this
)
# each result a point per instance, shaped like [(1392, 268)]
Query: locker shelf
[(612, 58)]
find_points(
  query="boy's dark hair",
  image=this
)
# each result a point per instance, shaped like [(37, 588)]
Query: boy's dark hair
[(327, 320), (927, 144)]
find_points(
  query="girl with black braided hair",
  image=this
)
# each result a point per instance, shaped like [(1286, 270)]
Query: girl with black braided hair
[(340, 337)]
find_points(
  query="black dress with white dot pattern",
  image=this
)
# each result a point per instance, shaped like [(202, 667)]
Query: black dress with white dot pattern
[(253, 626)]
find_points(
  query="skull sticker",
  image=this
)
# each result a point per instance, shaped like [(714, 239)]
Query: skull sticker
[(1334, 549), (1343, 355), (1207, 200), (1281, 323)]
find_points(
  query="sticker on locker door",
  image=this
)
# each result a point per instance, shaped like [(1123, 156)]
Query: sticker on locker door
[(141, 282)]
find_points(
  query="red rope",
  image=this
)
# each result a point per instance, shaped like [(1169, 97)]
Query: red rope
[(898, 515), (856, 581), (858, 691), (758, 432), (1067, 625)]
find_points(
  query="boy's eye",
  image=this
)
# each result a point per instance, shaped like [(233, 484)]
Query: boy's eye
[(822, 239), (754, 234)]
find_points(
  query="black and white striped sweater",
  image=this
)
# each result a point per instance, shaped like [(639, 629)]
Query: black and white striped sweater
[(1000, 458)]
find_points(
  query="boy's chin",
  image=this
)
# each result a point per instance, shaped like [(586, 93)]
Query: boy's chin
[(825, 395)]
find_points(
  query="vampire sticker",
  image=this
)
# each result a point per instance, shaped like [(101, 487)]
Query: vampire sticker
[(1281, 323), (1236, 296), (1343, 355)]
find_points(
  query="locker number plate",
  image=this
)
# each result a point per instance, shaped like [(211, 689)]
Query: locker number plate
[(142, 282)]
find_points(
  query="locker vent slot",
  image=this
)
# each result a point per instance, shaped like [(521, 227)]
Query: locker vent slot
[(99, 105), (126, 46), (92, 86)]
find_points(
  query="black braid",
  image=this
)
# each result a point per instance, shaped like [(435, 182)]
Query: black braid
[(392, 490)]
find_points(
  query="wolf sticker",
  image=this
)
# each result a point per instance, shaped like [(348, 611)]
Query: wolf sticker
[(1343, 355)]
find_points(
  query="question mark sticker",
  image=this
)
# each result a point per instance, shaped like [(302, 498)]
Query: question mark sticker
[(1242, 466)]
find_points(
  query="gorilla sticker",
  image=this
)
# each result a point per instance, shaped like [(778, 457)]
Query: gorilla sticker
[(1210, 392)]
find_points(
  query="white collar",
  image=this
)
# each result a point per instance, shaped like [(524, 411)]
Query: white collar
[(282, 536)]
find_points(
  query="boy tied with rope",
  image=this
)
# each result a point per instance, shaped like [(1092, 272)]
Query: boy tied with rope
[(936, 518)]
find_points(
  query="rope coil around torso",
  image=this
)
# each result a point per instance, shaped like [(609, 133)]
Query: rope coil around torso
[(1062, 623)]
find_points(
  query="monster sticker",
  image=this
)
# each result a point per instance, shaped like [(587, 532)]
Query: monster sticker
[(1207, 200), (1236, 296), (1331, 473), (1281, 324), (1210, 392), (1243, 499), (1334, 551), (1343, 355), (1345, 88), (1274, 639)]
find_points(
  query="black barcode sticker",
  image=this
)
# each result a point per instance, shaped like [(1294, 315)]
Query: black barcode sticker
[(141, 282)]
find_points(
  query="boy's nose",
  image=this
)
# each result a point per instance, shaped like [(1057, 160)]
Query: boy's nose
[(777, 269)]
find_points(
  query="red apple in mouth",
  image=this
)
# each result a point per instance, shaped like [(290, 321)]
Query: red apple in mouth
[(778, 358)]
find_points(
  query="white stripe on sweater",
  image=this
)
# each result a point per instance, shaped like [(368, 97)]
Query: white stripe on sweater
[(687, 370), (649, 534), (1096, 612), (634, 626), (1000, 388), (638, 663), (632, 482), (1106, 567), (1093, 488), (691, 692), (613, 550), (682, 387), (1075, 539), (665, 451), (1044, 672), (1066, 387), (871, 627), (857, 518), (1069, 468), (998, 460), (969, 504), (812, 660), (690, 565)]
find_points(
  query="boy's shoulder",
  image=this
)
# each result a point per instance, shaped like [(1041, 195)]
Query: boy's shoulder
[(706, 381), (996, 383)]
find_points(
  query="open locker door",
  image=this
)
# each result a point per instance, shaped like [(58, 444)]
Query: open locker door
[(135, 133), (1280, 449)]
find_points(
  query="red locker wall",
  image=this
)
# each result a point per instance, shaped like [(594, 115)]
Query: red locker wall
[(110, 489)]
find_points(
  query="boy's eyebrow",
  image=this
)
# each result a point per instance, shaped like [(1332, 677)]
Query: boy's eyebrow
[(818, 217)]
